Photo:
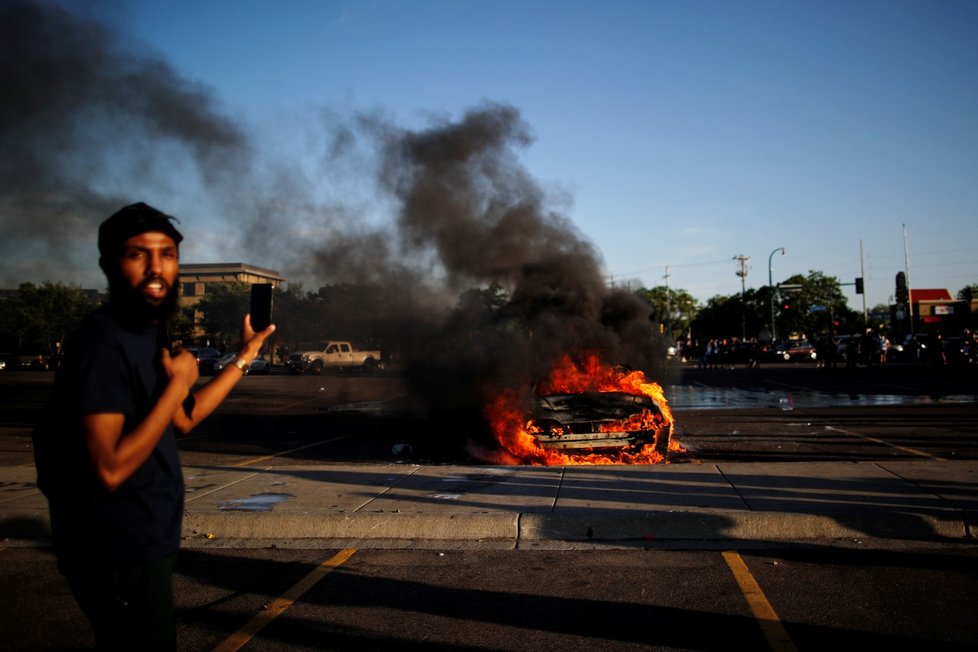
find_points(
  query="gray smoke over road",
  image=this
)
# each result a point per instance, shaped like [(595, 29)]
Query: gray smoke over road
[(465, 200), (87, 114), (83, 112)]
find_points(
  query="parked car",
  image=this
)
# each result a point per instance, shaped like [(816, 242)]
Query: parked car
[(796, 351), (35, 359), (258, 366), (206, 357), (336, 355)]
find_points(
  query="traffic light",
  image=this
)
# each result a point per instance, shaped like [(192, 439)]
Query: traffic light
[(859, 285), (902, 291)]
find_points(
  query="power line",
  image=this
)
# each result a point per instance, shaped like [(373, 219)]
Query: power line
[(670, 266)]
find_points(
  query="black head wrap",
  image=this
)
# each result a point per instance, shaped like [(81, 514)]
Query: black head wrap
[(133, 220)]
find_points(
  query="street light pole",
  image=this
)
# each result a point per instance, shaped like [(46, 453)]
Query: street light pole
[(770, 285)]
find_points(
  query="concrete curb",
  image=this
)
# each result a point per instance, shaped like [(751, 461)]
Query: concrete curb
[(635, 527), (405, 530), (268, 525), (725, 525)]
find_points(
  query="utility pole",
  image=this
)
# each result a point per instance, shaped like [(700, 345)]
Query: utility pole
[(742, 273), (668, 308), (770, 285), (906, 267)]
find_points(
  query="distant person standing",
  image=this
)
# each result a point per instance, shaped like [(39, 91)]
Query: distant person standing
[(970, 343), (935, 342), (106, 451)]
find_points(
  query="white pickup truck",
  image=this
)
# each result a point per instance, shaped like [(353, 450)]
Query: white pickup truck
[(333, 355)]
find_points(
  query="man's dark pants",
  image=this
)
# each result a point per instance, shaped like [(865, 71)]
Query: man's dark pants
[(129, 608)]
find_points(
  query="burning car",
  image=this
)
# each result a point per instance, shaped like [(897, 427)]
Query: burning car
[(585, 413), (597, 421)]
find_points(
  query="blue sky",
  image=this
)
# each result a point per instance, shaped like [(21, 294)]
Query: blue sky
[(675, 134)]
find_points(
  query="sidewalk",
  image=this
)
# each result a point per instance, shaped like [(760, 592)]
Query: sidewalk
[(404, 505)]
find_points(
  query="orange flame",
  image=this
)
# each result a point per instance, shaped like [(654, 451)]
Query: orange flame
[(506, 414)]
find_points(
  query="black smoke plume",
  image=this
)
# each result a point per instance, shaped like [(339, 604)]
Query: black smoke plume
[(465, 200), (486, 283), (85, 112)]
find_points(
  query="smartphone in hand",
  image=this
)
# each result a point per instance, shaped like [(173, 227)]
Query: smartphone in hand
[(261, 306)]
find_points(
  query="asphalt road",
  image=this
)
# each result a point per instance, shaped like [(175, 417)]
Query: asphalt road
[(813, 598), (786, 412), (776, 413), (833, 594)]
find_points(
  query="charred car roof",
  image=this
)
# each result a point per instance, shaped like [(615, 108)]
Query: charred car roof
[(598, 420)]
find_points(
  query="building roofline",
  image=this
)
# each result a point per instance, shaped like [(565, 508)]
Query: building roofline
[(230, 268), (930, 294)]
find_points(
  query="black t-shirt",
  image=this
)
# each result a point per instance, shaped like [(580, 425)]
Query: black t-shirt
[(108, 369)]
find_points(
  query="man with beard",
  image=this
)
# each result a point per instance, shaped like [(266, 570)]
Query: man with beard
[(106, 452)]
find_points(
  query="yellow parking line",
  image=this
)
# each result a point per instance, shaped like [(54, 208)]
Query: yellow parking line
[(767, 618), (241, 637)]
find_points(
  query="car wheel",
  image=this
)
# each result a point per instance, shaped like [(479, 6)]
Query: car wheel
[(317, 367)]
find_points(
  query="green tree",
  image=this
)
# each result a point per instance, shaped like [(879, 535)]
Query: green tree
[(291, 314), (719, 318), (359, 313), (481, 310), (814, 308), (757, 312), (674, 310), (42, 315), (734, 316), (181, 326), (968, 293), (484, 301), (223, 307), (879, 317), (809, 310), (350, 312)]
